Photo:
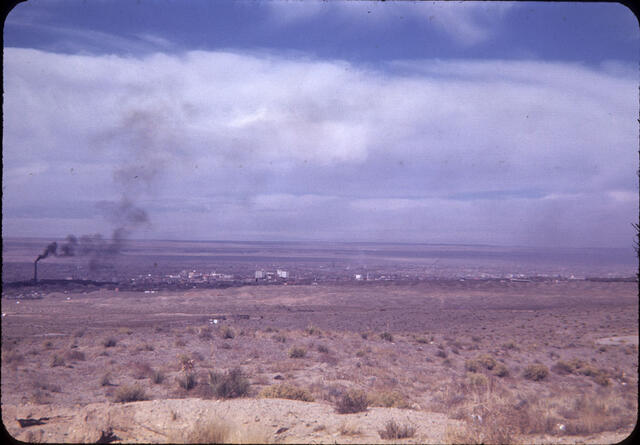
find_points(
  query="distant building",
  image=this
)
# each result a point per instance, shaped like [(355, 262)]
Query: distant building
[(358, 277), (282, 273), (259, 274)]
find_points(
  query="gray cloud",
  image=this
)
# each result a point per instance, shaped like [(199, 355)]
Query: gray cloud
[(252, 144)]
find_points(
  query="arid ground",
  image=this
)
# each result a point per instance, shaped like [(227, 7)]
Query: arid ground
[(445, 361)]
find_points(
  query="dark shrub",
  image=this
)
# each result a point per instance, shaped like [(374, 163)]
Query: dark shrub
[(536, 372), (229, 385), (129, 394), (188, 380), (297, 352), (353, 401)]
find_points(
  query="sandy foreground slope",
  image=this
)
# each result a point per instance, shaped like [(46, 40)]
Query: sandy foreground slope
[(171, 420), (248, 420)]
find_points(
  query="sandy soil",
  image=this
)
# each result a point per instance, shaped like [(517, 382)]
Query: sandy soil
[(55, 357)]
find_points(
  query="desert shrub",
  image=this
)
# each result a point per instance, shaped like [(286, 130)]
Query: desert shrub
[(573, 366), (500, 370), (388, 399), (145, 347), (129, 394), (386, 336), (106, 380), (127, 331), (157, 376), (487, 361), (441, 353), (79, 332), (185, 361), (311, 330), (280, 338), (109, 342), (205, 332), (297, 352), (364, 335), (227, 332), (601, 379), (536, 372), (12, 357), (57, 360), (187, 380), (323, 349), (478, 381), (226, 345), (229, 385), (510, 345), (422, 340), (180, 343), (472, 365), (284, 391), (353, 401), (141, 370), (393, 430), (46, 386), (76, 355)]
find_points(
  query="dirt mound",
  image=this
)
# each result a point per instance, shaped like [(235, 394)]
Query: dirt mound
[(183, 420)]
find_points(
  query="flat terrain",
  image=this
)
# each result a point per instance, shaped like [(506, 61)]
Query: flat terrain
[(453, 359)]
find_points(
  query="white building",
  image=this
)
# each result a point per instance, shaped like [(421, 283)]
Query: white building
[(259, 274), (282, 273)]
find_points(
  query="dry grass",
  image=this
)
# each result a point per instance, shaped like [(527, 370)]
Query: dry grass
[(388, 399), (129, 394), (141, 370), (349, 429), (76, 355), (394, 430), (285, 391), (220, 431), (12, 357)]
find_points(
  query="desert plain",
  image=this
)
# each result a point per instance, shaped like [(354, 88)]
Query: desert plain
[(440, 360)]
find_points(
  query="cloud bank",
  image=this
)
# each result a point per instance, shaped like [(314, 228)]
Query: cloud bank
[(229, 144)]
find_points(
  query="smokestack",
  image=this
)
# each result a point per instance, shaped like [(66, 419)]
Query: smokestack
[(35, 271)]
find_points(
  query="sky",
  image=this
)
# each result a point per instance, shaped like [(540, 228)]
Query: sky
[(503, 123)]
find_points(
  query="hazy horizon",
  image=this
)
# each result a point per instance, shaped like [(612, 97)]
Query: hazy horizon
[(496, 124)]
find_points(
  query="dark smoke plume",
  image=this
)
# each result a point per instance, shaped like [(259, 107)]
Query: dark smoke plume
[(51, 249), (150, 145), (124, 214)]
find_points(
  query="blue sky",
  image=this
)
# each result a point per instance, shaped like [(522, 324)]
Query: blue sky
[(474, 122)]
